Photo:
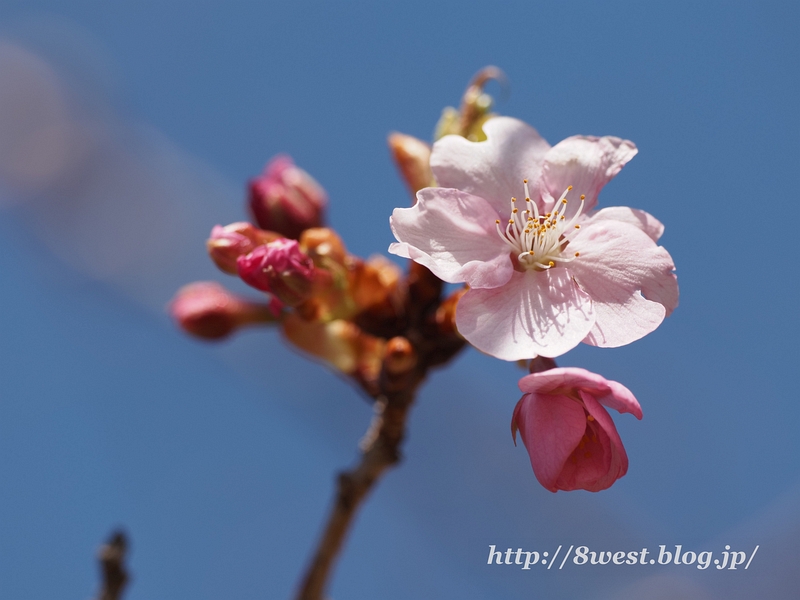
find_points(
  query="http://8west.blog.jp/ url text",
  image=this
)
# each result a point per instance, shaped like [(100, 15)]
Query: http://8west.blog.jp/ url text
[(583, 555)]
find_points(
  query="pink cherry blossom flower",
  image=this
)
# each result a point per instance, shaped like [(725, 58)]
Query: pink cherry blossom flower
[(569, 435), (514, 220)]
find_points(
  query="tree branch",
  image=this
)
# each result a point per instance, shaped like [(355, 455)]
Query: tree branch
[(112, 563), (381, 451), (406, 363)]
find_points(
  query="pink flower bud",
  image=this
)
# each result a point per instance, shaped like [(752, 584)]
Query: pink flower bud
[(228, 243), (207, 310), (286, 199), (281, 269), (570, 437)]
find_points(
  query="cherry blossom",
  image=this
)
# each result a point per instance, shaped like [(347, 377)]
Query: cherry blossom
[(514, 219)]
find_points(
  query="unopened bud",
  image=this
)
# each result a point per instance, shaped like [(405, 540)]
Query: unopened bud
[(335, 342), (332, 294), (228, 243), (475, 108), (286, 199), (324, 247), (413, 160), (399, 356), (207, 310), (373, 281), (281, 269), (339, 343)]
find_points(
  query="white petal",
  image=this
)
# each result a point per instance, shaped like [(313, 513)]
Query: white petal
[(453, 234), (629, 278), (587, 163), (492, 169), (638, 218), (535, 313)]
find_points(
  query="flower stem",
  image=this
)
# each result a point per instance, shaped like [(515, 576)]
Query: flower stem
[(380, 452), (424, 344)]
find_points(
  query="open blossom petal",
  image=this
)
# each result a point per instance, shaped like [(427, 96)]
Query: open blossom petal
[(629, 279), (453, 234), (633, 216), (587, 163), (571, 439), (535, 313), (492, 169)]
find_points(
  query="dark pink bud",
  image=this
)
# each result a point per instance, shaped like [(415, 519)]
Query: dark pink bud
[(570, 437), (207, 310), (281, 269), (286, 199), (228, 243)]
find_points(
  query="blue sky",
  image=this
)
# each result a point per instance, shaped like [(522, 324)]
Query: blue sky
[(219, 459)]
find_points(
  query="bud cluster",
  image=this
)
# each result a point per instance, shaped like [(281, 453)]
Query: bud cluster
[(349, 312)]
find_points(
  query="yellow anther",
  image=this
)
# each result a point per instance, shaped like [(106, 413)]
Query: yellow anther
[(583, 196), (530, 252), (527, 199), (589, 418), (514, 211), (552, 264), (497, 221), (564, 201), (524, 181), (578, 254), (513, 199), (569, 187), (511, 221), (563, 217), (577, 226)]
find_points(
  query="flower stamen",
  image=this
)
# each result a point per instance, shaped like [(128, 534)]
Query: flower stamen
[(539, 240)]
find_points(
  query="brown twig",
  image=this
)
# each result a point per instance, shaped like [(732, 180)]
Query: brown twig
[(112, 563), (407, 361)]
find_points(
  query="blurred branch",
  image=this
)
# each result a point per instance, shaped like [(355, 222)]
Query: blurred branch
[(408, 358), (112, 563)]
